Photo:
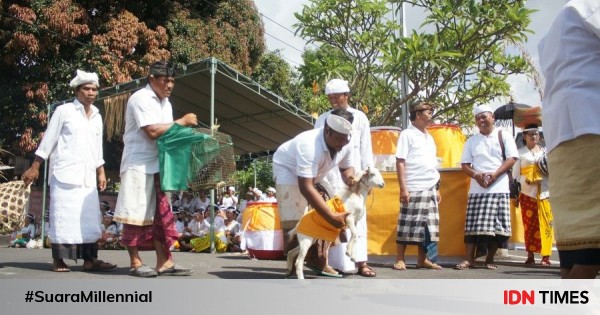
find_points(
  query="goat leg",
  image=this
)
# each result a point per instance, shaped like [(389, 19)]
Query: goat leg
[(350, 248), (291, 257), (304, 244)]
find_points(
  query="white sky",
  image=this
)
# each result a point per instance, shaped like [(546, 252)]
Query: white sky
[(278, 17)]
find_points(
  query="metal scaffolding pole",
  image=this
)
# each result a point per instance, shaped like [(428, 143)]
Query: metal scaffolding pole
[(213, 72), (403, 79)]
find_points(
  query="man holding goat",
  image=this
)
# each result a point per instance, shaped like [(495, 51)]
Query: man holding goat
[(304, 161)]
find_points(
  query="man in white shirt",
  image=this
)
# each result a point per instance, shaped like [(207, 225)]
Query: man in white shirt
[(244, 203), (488, 210), (258, 194), (418, 178), (271, 195), (142, 207), (302, 162), (570, 62), (202, 201), (229, 199), (338, 93), (73, 142)]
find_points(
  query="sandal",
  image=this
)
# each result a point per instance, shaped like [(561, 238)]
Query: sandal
[(399, 265), (530, 261), (366, 271), (545, 261), (327, 271), (175, 270), (143, 271), (491, 266), (60, 267), (463, 266), (429, 265), (99, 265)]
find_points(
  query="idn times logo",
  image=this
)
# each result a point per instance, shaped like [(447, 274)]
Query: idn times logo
[(523, 297)]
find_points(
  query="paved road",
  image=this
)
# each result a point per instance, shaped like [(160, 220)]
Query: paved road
[(22, 263)]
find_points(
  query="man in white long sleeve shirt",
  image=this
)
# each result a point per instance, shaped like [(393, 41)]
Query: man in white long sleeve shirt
[(73, 142)]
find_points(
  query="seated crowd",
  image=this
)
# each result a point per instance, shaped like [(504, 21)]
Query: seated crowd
[(193, 221)]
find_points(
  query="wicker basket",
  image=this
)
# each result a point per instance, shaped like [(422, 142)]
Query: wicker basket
[(14, 197), (213, 162), (524, 117)]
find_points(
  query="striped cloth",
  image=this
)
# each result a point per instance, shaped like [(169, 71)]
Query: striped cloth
[(488, 214), (421, 214), (542, 165)]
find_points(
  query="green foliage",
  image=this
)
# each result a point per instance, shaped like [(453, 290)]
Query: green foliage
[(323, 64), (457, 59), (275, 74), (351, 34), (264, 175)]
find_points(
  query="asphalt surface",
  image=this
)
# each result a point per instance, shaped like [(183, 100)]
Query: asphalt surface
[(23, 263)]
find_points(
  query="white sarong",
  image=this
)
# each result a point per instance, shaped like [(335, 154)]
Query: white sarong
[(75, 216), (136, 203)]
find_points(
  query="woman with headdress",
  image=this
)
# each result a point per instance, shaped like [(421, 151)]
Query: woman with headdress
[(533, 198)]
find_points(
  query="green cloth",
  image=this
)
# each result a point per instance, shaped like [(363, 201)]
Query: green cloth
[(182, 152)]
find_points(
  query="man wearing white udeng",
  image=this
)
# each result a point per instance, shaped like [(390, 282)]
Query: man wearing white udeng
[(338, 93), (73, 142)]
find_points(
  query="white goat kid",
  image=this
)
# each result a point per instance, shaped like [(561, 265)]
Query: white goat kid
[(354, 201)]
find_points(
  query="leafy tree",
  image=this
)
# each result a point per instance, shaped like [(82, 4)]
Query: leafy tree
[(45, 41), (327, 62), (352, 34), (262, 168), (459, 61), (275, 74)]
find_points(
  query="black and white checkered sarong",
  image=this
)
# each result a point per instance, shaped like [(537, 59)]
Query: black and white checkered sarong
[(488, 214), (420, 213)]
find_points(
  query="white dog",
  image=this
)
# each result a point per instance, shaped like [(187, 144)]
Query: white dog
[(354, 201)]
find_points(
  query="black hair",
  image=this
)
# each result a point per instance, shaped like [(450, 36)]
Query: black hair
[(414, 108), (162, 68)]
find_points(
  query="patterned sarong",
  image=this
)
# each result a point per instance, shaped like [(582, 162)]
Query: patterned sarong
[(162, 229), (419, 217), (537, 224), (488, 214)]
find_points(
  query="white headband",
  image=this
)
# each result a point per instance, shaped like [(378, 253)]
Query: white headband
[(339, 124), (336, 86), (83, 77), (531, 129), (482, 109)]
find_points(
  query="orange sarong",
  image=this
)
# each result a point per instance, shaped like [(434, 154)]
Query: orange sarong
[(314, 225)]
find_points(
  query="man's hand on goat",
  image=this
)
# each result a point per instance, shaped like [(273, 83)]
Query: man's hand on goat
[(351, 181), (338, 220)]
